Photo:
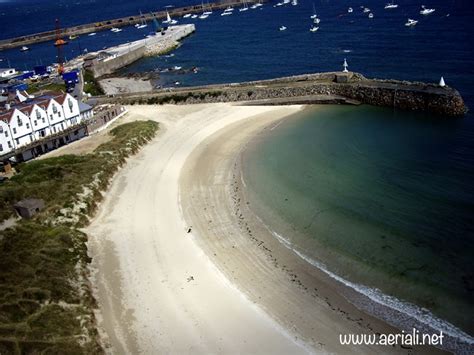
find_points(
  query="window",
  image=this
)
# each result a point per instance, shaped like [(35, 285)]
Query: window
[(6, 134), (51, 117), (28, 126), (36, 122), (1, 148), (55, 109), (1, 129), (9, 144), (14, 130), (59, 114), (20, 122), (38, 114), (44, 120), (17, 141)]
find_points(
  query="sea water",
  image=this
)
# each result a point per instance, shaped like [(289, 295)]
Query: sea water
[(381, 198)]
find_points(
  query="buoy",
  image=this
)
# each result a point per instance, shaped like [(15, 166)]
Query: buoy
[(442, 83)]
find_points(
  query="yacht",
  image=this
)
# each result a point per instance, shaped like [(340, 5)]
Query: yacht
[(229, 9), (411, 23), (115, 29), (314, 15), (366, 10), (226, 13), (371, 15), (203, 16), (286, 1), (194, 16), (314, 29), (425, 11), (278, 4), (187, 16), (349, 10), (24, 49), (282, 28), (92, 34), (390, 5), (245, 8), (169, 20)]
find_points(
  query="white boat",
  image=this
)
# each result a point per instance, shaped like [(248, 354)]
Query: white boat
[(286, 1), (226, 13), (314, 15), (366, 10), (314, 29), (245, 8), (390, 5), (371, 15), (142, 24), (294, 2), (282, 28), (229, 9), (116, 30), (92, 34), (254, 6), (425, 11), (349, 10), (24, 49), (187, 16), (169, 20), (411, 23), (207, 13), (194, 16), (278, 4), (203, 16), (316, 20)]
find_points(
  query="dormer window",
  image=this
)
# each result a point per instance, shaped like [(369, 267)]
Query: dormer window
[(69, 102), (20, 122), (38, 114), (55, 109)]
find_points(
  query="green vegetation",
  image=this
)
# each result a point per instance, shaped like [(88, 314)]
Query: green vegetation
[(91, 85), (45, 302), (36, 87), (179, 98)]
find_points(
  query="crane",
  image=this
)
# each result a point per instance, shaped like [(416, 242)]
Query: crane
[(59, 43)]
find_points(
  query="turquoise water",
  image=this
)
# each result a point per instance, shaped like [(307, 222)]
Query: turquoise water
[(383, 199)]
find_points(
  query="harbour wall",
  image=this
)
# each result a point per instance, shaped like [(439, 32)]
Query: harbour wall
[(118, 22), (314, 88), (123, 55)]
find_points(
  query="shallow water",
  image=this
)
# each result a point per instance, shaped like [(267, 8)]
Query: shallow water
[(382, 198)]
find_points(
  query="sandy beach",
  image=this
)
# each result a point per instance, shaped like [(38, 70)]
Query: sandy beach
[(181, 264)]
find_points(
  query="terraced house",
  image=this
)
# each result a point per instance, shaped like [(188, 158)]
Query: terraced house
[(40, 124)]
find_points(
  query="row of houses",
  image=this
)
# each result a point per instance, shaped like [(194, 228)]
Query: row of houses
[(34, 119)]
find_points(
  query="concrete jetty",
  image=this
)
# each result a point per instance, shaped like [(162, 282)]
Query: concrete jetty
[(119, 22), (109, 60), (319, 88)]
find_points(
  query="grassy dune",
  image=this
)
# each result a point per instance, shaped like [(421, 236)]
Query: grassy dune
[(45, 300)]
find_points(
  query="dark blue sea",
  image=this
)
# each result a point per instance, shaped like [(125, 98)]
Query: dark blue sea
[(388, 202)]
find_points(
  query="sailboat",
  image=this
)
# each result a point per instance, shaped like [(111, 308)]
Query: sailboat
[(411, 23), (425, 11), (294, 2), (245, 8), (313, 29), (24, 49), (371, 15), (316, 20), (313, 16), (209, 12), (169, 20), (282, 28), (349, 10), (187, 15), (142, 24), (390, 5)]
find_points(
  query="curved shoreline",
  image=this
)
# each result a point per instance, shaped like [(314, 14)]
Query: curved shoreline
[(305, 300), (156, 289)]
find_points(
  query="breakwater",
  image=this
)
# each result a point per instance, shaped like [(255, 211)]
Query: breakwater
[(333, 87), (118, 22)]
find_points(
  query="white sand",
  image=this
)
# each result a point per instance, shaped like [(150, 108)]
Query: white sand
[(113, 86), (144, 257)]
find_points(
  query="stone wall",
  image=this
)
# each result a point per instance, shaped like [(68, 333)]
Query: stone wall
[(397, 94), (100, 68)]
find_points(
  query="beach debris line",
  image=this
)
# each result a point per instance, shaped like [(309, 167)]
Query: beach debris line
[(190, 278)]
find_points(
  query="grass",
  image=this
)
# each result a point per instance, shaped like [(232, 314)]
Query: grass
[(36, 87), (45, 302), (91, 85)]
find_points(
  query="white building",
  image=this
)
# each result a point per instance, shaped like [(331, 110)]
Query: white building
[(37, 119)]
